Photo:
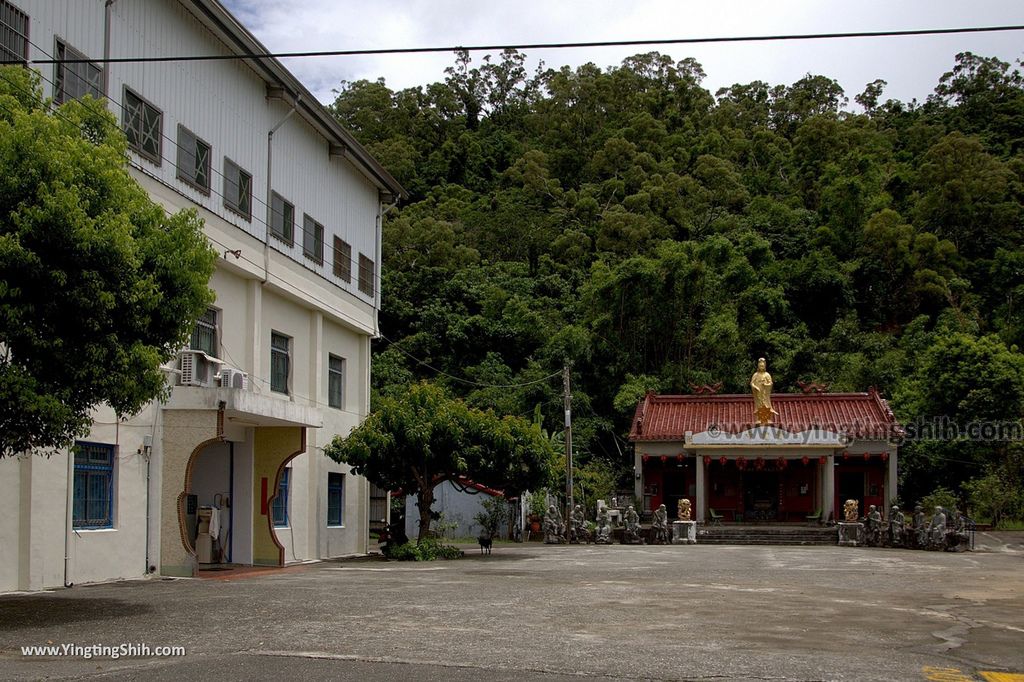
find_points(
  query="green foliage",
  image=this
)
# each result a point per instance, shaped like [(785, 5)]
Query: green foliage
[(99, 287), (995, 498), (628, 223), (426, 549), (493, 516), (940, 497), (416, 439)]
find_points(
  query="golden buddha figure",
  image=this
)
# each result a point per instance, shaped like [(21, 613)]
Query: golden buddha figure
[(761, 387)]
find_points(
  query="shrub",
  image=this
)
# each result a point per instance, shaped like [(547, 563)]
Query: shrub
[(427, 549)]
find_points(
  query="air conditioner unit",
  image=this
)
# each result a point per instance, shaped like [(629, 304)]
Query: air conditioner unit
[(196, 368), (233, 378)]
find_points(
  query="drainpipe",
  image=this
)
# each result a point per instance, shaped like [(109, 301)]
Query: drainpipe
[(379, 240), (270, 198), (67, 518), (106, 46)]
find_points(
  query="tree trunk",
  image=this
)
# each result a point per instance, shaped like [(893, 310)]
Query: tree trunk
[(424, 499)]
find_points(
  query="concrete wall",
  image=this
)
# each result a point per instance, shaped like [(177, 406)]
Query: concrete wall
[(457, 506)]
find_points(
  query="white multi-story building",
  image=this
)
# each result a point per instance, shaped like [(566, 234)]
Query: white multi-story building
[(276, 368)]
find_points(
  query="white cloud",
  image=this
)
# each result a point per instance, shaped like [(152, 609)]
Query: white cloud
[(911, 65)]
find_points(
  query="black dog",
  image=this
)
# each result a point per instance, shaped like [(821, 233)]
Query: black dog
[(485, 542)]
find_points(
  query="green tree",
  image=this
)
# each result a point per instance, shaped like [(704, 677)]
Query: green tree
[(420, 438), (99, 285)]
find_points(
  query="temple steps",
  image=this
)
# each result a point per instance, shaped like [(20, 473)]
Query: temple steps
[(766, 535)]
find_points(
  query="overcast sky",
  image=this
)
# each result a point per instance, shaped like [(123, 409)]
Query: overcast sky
[(911, 65)]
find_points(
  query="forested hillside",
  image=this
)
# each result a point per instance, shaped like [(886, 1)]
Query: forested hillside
[(656, 235)]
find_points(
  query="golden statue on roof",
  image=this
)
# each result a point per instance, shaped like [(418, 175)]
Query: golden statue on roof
[(761, 387)]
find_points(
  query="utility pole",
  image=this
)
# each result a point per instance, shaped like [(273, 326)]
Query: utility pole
[(568, 449)]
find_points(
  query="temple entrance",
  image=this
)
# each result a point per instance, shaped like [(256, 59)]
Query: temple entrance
[(675, 483), (851, 487), (760, 495)]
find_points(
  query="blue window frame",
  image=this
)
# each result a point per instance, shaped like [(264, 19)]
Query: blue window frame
[(93, 501), (335, 498), (280, 510)]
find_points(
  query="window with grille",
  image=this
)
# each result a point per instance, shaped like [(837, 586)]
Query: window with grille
[(280, 506), (237, 189), (193, 160), (335, 498), (312, 239), (282, 218), (280, 360), (335, 381), (204, 336), (75, 79), (93, 494), (13, 34), (342, 259), (143, 126), (366, 275)]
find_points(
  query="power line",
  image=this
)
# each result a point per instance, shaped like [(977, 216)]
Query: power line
[(468, 381), (539, 46)]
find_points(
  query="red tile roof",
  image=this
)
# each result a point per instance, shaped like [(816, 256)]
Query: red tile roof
[(670, 417)]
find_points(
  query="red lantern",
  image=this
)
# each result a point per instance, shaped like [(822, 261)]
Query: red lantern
[(679, 457), (645, 457), (781, 462), (664, 458), (759, 463), (707, 460), (867, 456), (885, 456), (822, 459), (741, 462), (722, 460), (846, 455), (806, 460)]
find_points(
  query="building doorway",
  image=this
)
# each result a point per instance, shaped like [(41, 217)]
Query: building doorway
[(851, 487), (760, 495), (675, 483)]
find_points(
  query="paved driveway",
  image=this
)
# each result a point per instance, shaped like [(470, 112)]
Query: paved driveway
[(548, 612)]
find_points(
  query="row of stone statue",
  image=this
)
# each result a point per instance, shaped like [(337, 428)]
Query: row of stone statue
[(944, 531), (578, 530)]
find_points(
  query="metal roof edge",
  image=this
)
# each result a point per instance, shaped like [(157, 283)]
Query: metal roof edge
[(217, 18)]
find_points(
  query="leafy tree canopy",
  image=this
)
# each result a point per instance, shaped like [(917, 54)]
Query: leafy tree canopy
[(99, 285), (421, 437)]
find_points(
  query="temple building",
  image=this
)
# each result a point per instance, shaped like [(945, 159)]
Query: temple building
[(798, 457)]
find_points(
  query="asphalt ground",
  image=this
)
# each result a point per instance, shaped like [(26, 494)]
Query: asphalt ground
[(553, 613)]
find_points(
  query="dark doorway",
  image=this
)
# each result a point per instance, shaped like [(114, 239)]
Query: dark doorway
[(675, 489), (760, 495), (851, 487)]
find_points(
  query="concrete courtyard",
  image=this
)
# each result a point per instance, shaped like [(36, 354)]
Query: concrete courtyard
[(554, 612)]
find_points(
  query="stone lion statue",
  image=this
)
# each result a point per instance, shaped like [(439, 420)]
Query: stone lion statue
[(850, 511), (684, 509)]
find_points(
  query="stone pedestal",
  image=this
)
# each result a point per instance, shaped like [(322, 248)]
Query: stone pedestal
[(851, 534), (684, 532)]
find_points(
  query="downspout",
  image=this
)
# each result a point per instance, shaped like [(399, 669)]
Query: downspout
[(379, 239), (270, 198), (67, 518), (106, 47)]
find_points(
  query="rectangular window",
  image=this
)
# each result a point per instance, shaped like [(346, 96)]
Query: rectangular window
[(143, 126), (280, 359), (193, 160), (342, 259), (13, 34), (76, 79), (280, 509), (312, 239), (93, 498), (335, 498), (366, 275), (204, 336), (335, 381), (237, 189), (282, 219)]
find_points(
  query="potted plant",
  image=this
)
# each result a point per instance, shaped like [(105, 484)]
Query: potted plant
[(538, 507)]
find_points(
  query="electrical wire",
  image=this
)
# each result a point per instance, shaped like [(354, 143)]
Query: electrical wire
[(538, 46), (478, 384)]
